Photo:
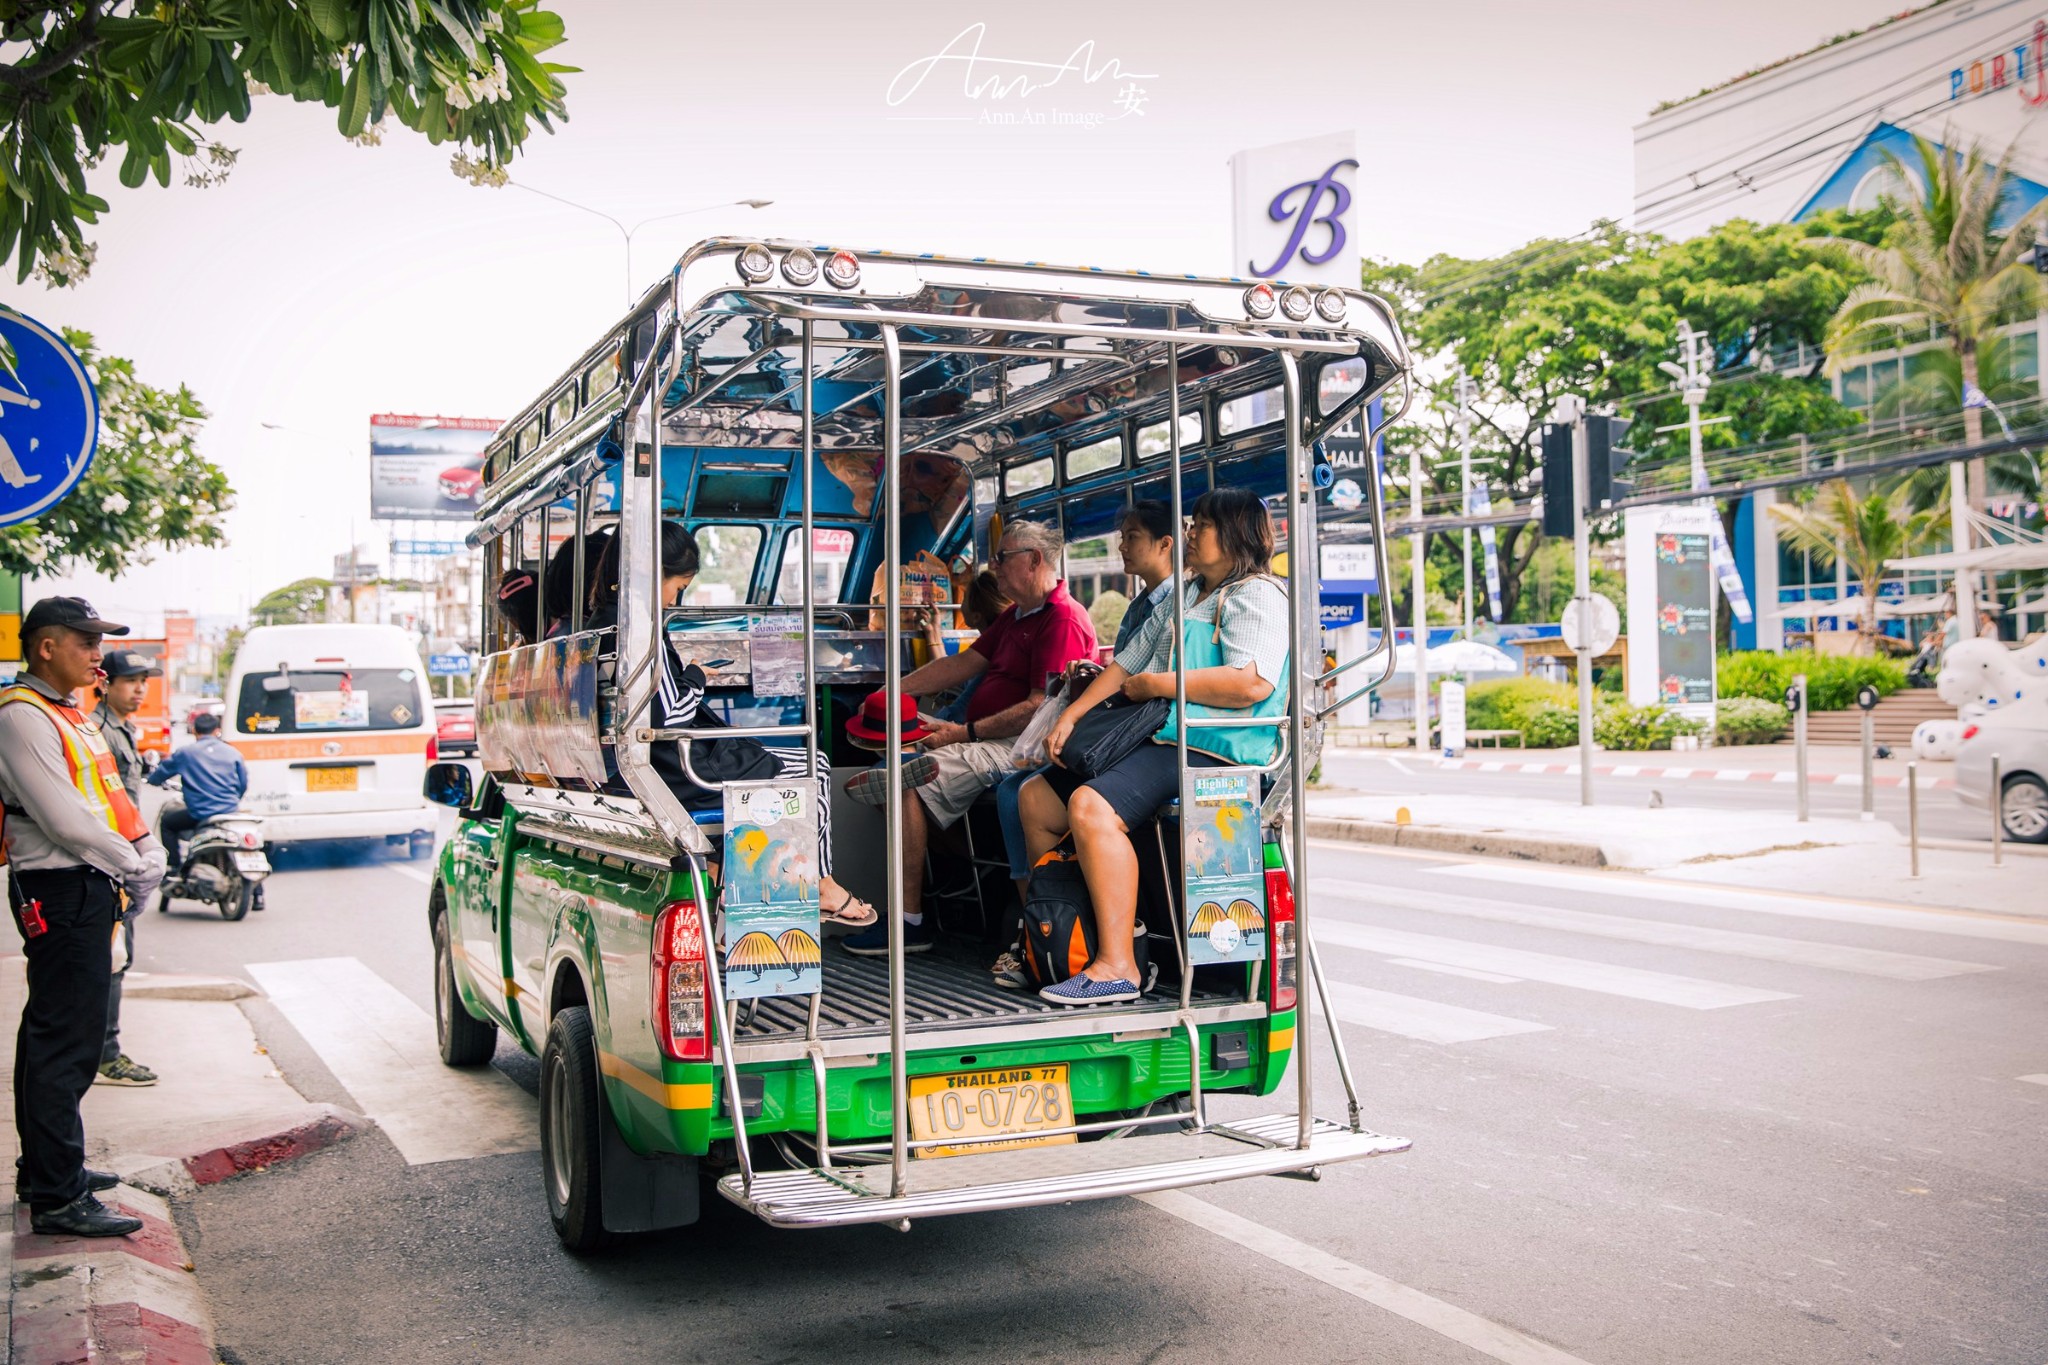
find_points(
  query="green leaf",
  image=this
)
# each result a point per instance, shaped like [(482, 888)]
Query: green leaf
[(331, 17), (355, 103)]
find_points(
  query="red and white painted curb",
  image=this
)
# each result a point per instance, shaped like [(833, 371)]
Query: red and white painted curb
[(1694, 774), (88, 1299), (79, 1299)]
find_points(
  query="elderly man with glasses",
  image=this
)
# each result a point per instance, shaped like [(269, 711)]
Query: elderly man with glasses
[(1034, 639)]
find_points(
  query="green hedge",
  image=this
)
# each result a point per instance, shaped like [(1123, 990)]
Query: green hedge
[(1505, 703), (1549, 726), (1831, 680), (1618, 725), (1750, 720)]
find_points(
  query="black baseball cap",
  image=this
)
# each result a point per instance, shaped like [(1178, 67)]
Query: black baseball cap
[(73, 612), (126, 663)]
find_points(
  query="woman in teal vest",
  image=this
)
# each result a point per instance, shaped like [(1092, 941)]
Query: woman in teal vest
[(1235, 648)]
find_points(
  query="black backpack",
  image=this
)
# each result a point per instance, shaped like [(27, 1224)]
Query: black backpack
[(1058, 937)]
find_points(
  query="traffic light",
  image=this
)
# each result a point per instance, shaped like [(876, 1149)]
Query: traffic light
[(1605, 460), (1558, 513)]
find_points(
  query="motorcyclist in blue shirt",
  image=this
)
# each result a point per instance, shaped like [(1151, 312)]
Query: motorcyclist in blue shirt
[(214, 780)]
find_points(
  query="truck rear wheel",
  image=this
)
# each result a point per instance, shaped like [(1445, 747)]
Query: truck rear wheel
[(465, 1040), (569, 1137)]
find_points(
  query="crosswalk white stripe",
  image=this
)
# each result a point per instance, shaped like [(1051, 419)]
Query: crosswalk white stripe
[(1427, 1021), (2037, 1080), (1446, 969), (418, 874), (1631, 886), (381, 1046), (1494, 1340), (1634, 983), (1733, 943)]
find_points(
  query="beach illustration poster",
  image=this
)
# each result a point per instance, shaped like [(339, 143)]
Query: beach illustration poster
[(770, 892), (1223, 857)]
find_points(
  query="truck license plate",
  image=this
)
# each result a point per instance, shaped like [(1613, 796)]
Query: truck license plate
[(330, 779), (991, 1110)]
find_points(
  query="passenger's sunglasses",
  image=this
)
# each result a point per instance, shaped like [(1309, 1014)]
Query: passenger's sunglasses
[(1002, 556)]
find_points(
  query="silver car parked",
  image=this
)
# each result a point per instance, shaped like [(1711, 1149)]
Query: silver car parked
[(2022, 751)]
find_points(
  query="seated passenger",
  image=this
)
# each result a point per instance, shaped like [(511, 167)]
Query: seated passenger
[(1235, 649), (678, 703), (985, 601), (1038, 636)]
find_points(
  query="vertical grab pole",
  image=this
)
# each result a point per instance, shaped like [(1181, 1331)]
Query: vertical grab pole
[(1300, 507), (820, 1089), (892, 645), (1180, 729)]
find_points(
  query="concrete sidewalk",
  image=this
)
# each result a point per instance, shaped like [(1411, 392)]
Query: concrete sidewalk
[(220, 1108), (1827, 764), (1763, 848)]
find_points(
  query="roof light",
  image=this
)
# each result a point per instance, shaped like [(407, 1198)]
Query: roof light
[(1297, 303), (755, 263), (1260, 301), (842, 269), (800, 267), (1331, 306)]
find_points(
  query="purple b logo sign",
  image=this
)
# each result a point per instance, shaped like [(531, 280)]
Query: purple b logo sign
[(1309, 212)]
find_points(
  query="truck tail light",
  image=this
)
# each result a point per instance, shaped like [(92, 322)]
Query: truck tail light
[(681, 1018), (1280, 917)]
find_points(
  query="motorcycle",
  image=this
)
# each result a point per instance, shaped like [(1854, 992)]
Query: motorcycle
[(224, 865)]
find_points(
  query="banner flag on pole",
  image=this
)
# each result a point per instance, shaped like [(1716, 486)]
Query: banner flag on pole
[(1479, 503), (1723, 557)]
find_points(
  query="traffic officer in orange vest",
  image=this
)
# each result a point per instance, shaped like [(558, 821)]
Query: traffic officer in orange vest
[(71, 837)]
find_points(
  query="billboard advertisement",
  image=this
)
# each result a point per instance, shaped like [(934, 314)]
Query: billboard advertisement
[(1671, 602), (427, 468)]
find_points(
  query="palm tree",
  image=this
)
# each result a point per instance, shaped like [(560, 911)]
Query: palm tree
[(1946, 265), (1937, 388), (1863, 531)]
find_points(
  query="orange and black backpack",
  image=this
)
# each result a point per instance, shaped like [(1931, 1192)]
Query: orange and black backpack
[(1059, 922)]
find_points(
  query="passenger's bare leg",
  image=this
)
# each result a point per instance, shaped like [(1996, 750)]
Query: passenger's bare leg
[(1110, 865), (1044, 817)]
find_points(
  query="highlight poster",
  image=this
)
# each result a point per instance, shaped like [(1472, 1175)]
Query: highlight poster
[(770, 894), (1223, 858)]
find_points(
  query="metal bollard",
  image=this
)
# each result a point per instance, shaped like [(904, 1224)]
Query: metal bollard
[(1997, 814), (1869, 766), (1913, 816), (1799, 739)]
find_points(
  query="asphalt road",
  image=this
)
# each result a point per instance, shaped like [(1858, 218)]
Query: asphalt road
[(1645, 1130), (1942, 816)]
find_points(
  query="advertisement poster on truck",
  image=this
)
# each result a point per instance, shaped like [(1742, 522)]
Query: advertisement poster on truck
[(1226, 867), (427, 468), (770, 896)]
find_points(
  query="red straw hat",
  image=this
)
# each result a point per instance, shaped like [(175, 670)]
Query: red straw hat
[(868, 725)]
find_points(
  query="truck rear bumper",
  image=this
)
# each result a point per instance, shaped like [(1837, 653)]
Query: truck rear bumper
[(363, 824)]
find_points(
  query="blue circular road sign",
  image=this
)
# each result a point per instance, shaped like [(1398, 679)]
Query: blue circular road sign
[(49, 419)]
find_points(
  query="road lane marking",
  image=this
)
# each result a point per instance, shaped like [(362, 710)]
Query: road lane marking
[(1494, 1340), (1447, 970), (1627, 886), (381, 1046), (1427, 1021), (1799, 952), (2037, 1080), (1634, 983), (418, 874)]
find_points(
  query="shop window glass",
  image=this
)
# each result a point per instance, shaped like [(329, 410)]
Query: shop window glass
[(1856, 387)]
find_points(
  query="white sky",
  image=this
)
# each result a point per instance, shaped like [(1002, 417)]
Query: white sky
[(325, 282)]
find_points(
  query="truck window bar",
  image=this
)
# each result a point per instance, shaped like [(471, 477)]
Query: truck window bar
[(1315, 968), (714, 988), (1385, 655), (892, 732), (953, 323)]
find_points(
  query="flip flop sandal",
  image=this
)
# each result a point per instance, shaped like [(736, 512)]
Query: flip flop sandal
[(853, 912)]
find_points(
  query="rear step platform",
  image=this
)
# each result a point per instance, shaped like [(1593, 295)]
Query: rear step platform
[(1021, 1178)]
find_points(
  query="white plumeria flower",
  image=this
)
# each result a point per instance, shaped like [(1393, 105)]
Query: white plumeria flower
[(34, 552), (116, 504)]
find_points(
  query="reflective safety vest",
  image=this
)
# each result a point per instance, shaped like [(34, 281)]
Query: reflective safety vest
[(90, 759)]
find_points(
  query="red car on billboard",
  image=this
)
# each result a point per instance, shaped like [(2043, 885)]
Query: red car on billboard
[(462, 483)]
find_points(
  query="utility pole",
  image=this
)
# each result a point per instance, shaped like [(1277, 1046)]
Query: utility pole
[(1418, 603), (1572, 409), (1466, 391), (1694, 372)]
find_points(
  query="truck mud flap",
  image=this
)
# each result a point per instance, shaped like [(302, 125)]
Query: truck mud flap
[(644, 1193)]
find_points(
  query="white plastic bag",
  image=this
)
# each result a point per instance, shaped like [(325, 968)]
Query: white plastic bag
[(1029, 750)]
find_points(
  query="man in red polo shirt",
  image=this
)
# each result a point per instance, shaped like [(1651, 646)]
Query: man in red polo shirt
[(1042, 632)]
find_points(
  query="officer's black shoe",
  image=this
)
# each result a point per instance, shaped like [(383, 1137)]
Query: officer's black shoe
[(95, 1181), (84, 1216)]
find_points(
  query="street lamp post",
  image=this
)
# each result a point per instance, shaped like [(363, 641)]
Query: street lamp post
[(626, 233)]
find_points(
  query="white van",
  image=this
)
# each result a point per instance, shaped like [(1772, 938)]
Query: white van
[(334, 722)]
